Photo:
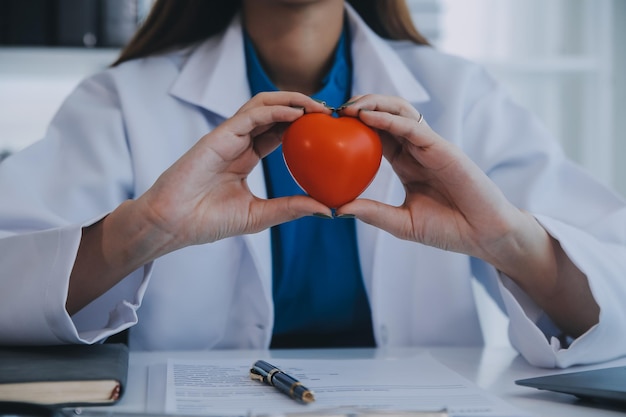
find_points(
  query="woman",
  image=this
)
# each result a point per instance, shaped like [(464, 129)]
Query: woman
[(124, 207)]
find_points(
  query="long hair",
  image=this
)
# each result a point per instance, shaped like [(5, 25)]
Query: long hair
[(177, 23)]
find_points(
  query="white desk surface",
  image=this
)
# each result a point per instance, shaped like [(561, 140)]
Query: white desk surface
[(493, 369)]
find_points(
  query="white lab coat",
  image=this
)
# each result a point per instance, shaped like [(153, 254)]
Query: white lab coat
[(120, 129)]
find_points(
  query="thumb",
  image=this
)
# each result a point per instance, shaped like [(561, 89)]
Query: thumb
[(373, 212), (283, 209)]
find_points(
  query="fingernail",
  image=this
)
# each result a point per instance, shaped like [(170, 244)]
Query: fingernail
[(299, 108), (323, 216), (345, 216), (344, 105)]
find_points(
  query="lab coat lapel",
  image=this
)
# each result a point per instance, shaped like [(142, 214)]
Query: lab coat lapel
[(214, 75), (214, 78), (387, 74), (259, 244)]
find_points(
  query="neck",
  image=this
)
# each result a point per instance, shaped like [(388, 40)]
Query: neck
[(295, 40)]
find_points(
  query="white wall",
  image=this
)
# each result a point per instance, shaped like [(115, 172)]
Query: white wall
[(619, 96), (33, 84), (559, 58)]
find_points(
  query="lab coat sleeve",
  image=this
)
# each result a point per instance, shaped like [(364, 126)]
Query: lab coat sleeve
[(587, 219), (602, 262), (79, 172)]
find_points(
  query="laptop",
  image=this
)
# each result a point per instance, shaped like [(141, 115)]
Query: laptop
[(607, 385)]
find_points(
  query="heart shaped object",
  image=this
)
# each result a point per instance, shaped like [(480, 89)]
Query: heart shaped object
[(333, 159)]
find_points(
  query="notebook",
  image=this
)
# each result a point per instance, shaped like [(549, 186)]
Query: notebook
[(64, 374), (599, 385)]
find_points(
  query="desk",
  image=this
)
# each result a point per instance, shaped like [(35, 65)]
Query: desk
[(493, 369)]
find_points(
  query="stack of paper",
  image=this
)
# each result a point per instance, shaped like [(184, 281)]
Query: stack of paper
[(342, 388)]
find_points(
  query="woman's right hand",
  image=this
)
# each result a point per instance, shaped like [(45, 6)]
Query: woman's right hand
[(204, 196), (201, 198)]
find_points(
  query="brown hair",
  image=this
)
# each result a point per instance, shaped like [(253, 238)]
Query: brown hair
[(176, 23)]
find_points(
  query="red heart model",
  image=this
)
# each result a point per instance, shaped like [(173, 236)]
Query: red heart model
[(333, 159)]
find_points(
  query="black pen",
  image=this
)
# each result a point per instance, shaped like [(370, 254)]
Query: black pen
[(271, 375)]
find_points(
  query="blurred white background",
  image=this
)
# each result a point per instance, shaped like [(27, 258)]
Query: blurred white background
[(563, 59)]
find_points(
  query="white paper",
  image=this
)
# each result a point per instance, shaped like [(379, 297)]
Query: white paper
[(419, 383)]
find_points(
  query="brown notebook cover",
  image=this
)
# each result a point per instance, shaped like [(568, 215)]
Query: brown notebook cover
[(68, 375)]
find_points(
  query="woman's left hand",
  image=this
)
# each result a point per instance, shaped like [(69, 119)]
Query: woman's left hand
[(451, 204)]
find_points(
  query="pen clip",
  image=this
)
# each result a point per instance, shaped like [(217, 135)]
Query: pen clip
[(263, 371), (256, 375)]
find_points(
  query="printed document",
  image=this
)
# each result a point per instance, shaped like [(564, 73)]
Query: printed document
[(419, 383)]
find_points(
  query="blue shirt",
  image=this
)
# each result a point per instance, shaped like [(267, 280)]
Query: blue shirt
[(319, 296)]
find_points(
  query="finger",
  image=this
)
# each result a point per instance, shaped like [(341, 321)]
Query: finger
[(349, 102), (283, 209), (383, 216), (267, 124), (234, 137), (381, 103), (418, 139), (392, 116), (285, 98), (266, 142), (267, 138), (260, 118)]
